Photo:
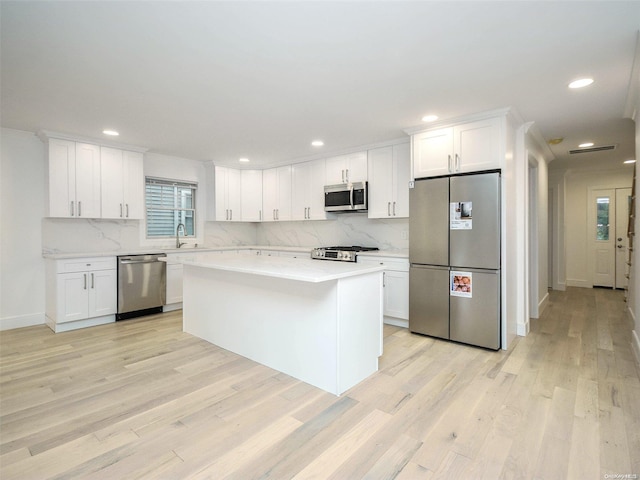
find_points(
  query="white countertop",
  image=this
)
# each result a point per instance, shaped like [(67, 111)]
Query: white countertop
[(385, 253), (301, 269)]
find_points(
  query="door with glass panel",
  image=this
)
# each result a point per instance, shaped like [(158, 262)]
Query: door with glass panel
[(602, 237)]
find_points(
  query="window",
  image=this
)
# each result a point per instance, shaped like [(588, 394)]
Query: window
[(602, 218), (170, 203)]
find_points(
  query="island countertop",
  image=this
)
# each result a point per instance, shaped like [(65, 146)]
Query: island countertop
[(301, 269)]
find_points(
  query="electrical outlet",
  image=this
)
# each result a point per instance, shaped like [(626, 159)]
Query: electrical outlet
[(404, 234)]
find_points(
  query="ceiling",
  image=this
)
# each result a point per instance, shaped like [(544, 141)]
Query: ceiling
[(223, 80)]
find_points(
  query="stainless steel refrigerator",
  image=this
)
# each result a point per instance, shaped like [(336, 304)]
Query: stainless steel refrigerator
[(454, 251)]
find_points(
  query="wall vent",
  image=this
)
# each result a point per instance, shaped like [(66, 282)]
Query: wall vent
[(601, 148)]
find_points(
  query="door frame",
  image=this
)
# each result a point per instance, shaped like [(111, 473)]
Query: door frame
[(591, 225)]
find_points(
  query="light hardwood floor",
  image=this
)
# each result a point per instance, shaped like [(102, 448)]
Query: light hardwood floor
[(141, 399)]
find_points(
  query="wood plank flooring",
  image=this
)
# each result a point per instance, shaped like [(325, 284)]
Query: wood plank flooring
[(142, 399)]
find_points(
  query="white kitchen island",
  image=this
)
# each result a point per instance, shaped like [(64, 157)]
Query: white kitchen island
[(318, 321)]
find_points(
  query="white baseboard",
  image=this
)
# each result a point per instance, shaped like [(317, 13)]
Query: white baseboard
[(543, 304), (171, 307), (635, 345), (522, 329), (398, 322), (87, 322), (561, 286), (572, 282), (20, 321)]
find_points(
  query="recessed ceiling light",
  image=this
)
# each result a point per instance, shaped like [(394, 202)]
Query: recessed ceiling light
[(243, 160), (317, 143), (429, 118), (113, 133), (585, 145), (629, 161), (582, 82)]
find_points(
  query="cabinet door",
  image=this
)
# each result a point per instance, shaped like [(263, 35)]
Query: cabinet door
[(315, 193), (174, 283), (300, 184), (62, 174), (476, 146), (432, 153), (87, 180), (111, 177), (401, 177), (251, 192), (102, 292), (284, 193), (222, 209), (72, 297), (234, 195), (133, 185), (269, 194), (357, 167), (396, 294), (381, 182), (335, 170)]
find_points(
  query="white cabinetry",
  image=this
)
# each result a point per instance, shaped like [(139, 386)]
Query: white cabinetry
[(73, 179), (347, 168), (396, 288), (251, 193), (81, 292), (468, 147), (308, 191), (276, 193), (225, 204), (174, 283), (122, 180), (389, 172)]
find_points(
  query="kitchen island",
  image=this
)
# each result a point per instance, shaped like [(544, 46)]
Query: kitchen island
[(317, 321)]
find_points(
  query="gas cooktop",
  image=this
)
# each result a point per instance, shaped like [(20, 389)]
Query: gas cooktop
[(340, 253)]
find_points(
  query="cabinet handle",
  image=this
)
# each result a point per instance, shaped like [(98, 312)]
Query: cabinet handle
[(71, 208), (85, 281), (394, 209), (127, 205), (274, 213), (92, 282), (260, 215), (79, 208), (384, 277), (231, 214), (388, 209), (457, 162), (120, 210), (342, 176), (277, 214), (449, 166), (226, 214), (346, 178)]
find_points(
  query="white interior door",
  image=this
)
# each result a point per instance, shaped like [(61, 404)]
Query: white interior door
[(602, 233), (623, 198)]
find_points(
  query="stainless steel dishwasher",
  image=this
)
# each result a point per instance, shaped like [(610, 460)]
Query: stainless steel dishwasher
[(142, 281)]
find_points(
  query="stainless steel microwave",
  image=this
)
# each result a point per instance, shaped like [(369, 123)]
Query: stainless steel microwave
[(346, 197)]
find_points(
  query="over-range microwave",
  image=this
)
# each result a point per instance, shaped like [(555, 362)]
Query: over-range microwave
[(346, 197)]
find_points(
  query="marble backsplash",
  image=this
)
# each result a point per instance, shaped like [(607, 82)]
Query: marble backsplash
[(60, 235), (345, 229)]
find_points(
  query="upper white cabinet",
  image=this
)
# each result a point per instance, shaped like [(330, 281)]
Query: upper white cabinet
[(389, 172), (226, 195), (251, 193), (307, 191), (467, 147), (73, 179), (122, 181), (276, 194), (347, 168)]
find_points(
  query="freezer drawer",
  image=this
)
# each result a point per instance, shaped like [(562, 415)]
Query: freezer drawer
[(429, 300), (476, 319)]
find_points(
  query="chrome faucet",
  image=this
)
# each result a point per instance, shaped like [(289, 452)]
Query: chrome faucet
[(178, 244)]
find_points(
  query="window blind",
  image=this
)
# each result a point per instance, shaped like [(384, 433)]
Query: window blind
[(169, 203)]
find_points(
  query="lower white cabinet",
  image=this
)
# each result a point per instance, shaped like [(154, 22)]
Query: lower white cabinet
[(396, 288), (174, 283), (81, 292)]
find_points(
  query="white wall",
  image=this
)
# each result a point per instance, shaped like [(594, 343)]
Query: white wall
[(22, 208)]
